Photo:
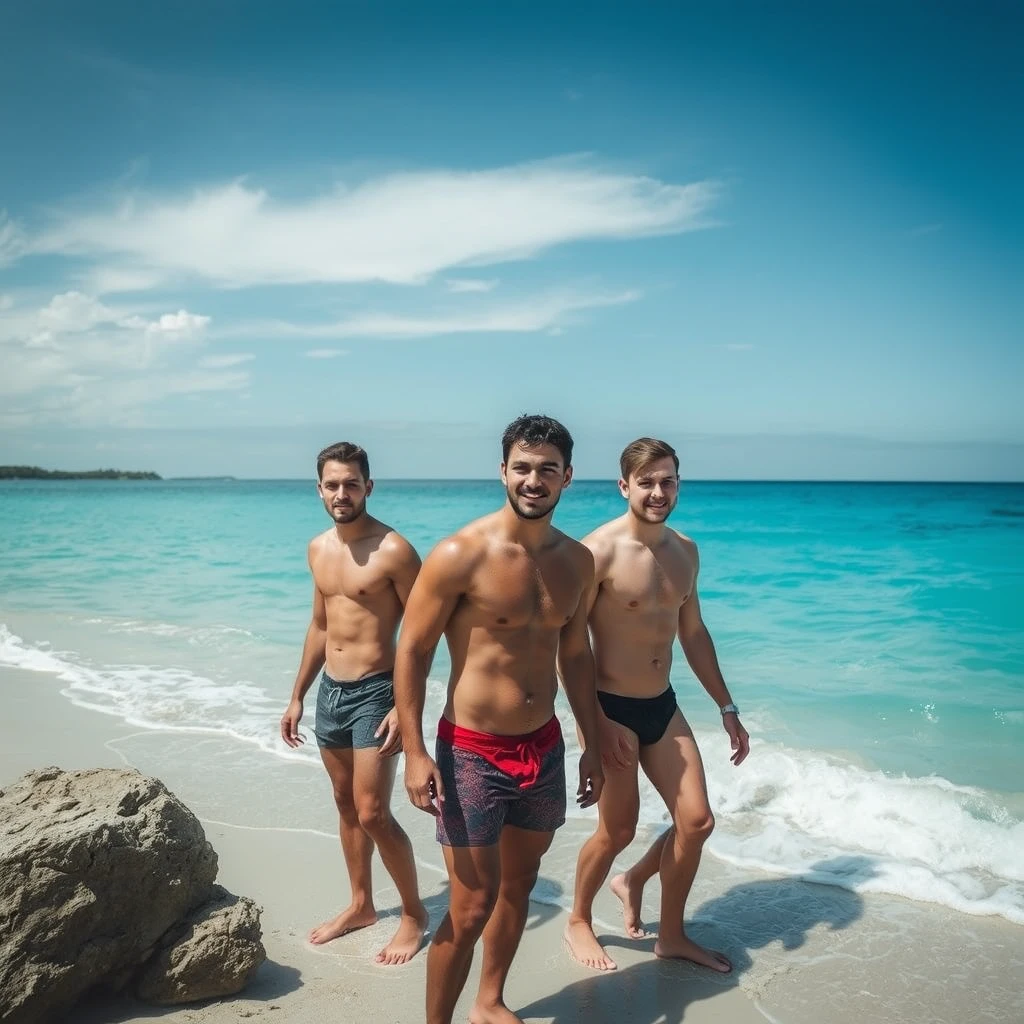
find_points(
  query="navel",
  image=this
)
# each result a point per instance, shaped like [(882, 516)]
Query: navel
[(502, 621), (633, 604)]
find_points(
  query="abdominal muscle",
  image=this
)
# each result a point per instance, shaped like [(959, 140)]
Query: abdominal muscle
[(505, 685), (360, 638), (633, 659)]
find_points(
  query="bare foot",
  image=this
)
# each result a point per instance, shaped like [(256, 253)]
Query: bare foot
[(349, 920), (584, 947), (497, 1013), (406, 942), (631, 894), (687, 949)]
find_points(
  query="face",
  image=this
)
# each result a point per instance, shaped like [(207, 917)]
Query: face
[(344, 491), (533, 479), (653, 492)]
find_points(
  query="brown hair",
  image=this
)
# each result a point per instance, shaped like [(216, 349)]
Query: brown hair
[(343, 451), (642, 452)]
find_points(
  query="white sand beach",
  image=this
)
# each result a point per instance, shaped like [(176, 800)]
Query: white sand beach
[(803, 953)]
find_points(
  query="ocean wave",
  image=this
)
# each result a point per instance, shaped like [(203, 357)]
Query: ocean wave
[(804, 814)]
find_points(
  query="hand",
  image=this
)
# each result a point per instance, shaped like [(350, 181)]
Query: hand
[(591, 779), (290, 724), (393, 738), (619, 746), (737, 737), (423, 783)]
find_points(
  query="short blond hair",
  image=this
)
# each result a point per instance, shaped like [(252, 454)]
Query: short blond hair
[(642, 452)]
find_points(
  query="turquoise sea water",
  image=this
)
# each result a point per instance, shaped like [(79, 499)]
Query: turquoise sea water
[(872, 633)]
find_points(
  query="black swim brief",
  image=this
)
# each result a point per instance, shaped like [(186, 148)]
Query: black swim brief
[(648, 717)]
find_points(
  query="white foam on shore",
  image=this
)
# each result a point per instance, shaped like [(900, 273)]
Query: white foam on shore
[(799, 813)]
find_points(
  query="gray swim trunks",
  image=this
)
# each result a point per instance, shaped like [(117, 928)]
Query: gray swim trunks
[(348, 713)]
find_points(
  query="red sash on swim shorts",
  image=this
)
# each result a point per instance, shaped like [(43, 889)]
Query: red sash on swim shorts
[(517, 756)]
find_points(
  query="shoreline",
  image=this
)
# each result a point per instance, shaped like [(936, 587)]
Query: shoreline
[(797, 946)]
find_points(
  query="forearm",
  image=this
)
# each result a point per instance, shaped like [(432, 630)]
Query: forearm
[(577, 674), (411, 670), (314, 654), (700, 654)]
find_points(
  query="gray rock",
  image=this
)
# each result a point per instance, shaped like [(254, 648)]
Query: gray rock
[(95, 867), (213, 953)]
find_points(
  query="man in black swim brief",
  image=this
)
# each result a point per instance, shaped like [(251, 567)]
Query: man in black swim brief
[(645, 596)]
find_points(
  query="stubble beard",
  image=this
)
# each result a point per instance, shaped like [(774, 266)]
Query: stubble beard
[(529, 516), (344, 516)]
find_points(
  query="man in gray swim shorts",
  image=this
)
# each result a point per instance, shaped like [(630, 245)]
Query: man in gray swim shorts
[(349, 713), (362, 574)]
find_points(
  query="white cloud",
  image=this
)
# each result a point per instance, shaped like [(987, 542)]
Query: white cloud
[(402, 228), (180, 323), (72, 312), (469, 284), (325, 353), (77, 360), (538, 313), (222, 362)]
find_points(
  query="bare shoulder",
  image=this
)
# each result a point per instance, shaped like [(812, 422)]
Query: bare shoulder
[(396, 548), (686, 544), (458, 555), (319, 544), (602, 543), (579, 552)]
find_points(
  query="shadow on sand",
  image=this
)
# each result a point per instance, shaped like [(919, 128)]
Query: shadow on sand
[(745, 918), (271, 981)]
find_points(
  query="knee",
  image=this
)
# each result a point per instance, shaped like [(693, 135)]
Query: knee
[(696, 828), (620, 836), (374, 816), (346, 806), (472, 912)]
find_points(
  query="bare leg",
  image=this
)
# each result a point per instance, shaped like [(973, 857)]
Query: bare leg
[(521, 851), (617, 810), (673, 764), (474, 874), (374, 778), (356, 846), (629, 886)]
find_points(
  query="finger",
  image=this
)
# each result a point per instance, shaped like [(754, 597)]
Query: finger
[(438, 786)]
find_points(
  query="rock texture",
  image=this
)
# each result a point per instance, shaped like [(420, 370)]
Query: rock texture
[(213, 953), (96, 868)]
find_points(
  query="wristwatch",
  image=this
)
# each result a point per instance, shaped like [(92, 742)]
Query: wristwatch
[(729, 709)]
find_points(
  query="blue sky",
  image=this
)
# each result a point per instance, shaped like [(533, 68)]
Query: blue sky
[(787, 239)]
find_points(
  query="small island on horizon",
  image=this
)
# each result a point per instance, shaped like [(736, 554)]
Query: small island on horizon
[(37, 473)]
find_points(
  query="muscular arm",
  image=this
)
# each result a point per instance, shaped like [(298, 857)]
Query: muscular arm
[(405, 566), (314, 654), (436, 592), (700, 653), (576, 668), (699, 649)]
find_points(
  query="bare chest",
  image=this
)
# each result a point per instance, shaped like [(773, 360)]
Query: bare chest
[(645, 583), (513, 592), (343, 576)]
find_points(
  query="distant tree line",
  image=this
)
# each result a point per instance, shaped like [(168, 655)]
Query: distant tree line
[(35, 473)]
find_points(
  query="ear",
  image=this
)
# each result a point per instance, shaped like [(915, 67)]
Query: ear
[(320, 488), (624, 489), (567, 479), (501, 470), (369, 487)]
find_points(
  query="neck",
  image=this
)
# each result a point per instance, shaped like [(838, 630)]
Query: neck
[(349, 532), (647, 533), (530, 533)]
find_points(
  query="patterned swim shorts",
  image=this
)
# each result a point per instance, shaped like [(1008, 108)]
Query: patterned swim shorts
[(494, 781)]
